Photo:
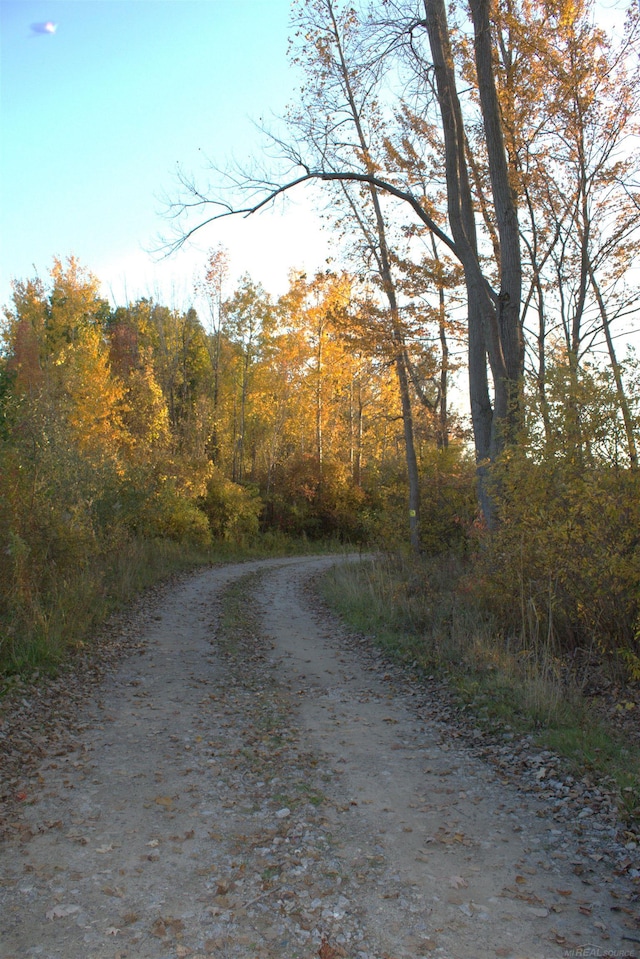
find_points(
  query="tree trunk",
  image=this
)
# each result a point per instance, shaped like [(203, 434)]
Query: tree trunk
[(617, 374), (493, 319)]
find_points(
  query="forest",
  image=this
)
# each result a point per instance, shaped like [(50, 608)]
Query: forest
[(460, 396)]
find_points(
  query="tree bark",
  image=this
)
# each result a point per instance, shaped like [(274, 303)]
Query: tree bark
[(493, 320)]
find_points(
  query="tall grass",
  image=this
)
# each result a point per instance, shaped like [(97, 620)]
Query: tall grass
[(42, 624)]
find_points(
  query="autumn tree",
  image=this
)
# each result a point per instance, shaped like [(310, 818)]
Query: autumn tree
[(569, 96), (248, 321), (63, 449), (493, 291), (211, 287)]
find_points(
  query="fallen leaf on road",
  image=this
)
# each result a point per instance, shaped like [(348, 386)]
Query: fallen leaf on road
[(61, 912), (327, 951), (457, 882)]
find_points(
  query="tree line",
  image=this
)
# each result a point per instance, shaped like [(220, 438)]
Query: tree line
[(487, 155), (261, 416), (479, 172)]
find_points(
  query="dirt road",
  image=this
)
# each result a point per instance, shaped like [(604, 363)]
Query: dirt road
[(279, 791)]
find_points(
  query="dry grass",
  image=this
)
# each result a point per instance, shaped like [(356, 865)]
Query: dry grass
[(423, 614)]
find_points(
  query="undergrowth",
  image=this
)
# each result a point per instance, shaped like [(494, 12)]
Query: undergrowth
[(424, 615)]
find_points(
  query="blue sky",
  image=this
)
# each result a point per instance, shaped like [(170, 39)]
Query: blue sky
[(95, 117)]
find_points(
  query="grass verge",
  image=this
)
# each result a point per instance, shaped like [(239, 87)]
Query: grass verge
[(421, 614), (43, 622)]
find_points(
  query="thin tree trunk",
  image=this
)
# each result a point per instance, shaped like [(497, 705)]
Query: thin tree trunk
[(384, 267), (617, 374)]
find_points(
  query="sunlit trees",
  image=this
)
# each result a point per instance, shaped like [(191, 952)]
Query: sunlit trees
[(63, 443), (248, 322), (211, 288), (493, 314), (528, 151), (570, 96)]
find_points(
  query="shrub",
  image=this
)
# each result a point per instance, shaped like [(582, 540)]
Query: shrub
[(232, 511), (167, 514), (565, 560)]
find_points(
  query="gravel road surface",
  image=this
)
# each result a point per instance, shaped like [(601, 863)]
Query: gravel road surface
[(266, 786)]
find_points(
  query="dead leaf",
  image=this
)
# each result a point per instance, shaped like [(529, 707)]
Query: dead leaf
[(326, 951), (61, 912), (104, 849), (165, 801), (457, 882)]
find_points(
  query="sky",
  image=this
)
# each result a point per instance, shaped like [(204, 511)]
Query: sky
[(99, 109), (102, 101)]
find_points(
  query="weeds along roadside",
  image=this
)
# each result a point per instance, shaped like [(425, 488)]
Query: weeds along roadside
[(420, 613), (44, 621)]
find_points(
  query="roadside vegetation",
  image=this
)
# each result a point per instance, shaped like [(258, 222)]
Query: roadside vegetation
[(431, 617), (483, 195), (43, 631)]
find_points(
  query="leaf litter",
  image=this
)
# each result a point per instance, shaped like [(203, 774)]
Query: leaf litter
[(294, 800)]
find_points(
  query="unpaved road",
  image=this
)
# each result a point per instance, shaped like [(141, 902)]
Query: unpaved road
[(281, 792)]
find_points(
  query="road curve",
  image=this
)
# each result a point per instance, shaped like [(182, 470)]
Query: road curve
[(282, 793)]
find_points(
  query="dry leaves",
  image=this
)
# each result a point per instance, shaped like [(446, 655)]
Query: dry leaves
[(457, 882), (327, 951), (62, 911)]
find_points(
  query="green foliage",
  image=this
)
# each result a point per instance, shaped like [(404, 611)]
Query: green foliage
[(448, 504), (564, 564), (232, 510)]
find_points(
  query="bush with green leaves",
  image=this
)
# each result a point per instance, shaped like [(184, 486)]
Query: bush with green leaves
[(564, 562), (232, 511)]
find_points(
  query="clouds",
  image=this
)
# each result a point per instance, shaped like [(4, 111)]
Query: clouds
[(48, 28)]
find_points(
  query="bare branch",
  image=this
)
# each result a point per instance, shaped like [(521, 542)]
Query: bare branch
[(199, 200)]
